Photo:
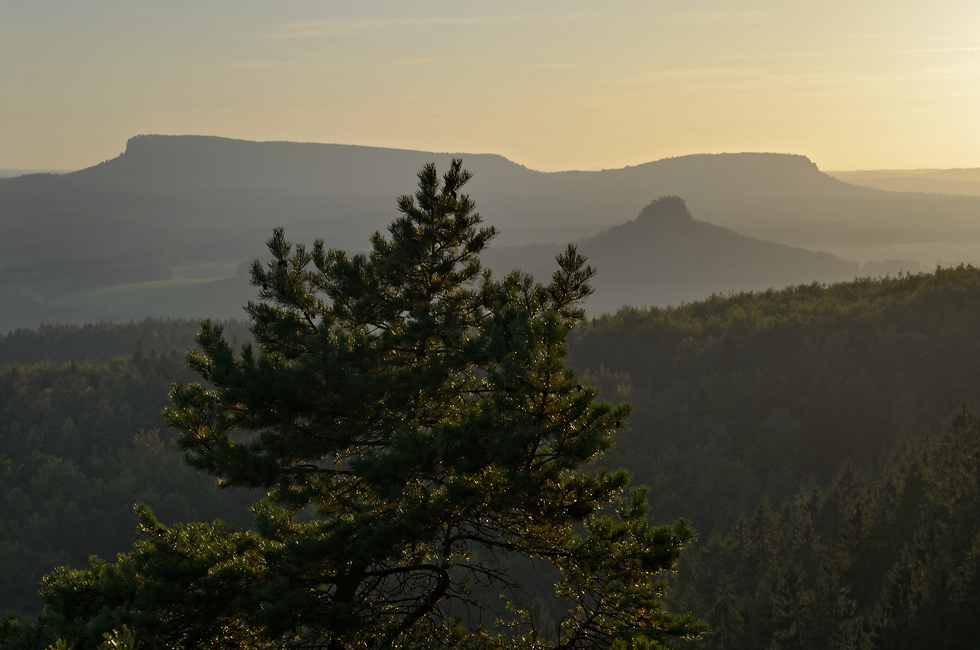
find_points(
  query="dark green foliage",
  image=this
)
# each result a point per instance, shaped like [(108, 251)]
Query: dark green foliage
[(79, 445), (100, 343), (889, 563), (418, 433), (750, 394), (204, 572)]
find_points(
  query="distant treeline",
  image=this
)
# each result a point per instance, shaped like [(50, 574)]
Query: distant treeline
[(29, 292), (20, 307), (61, 276), (748, 395), (99, 343)]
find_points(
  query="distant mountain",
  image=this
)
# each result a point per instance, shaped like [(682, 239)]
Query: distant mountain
[(666, 257), (154, 162), (197, 198), (9, 173), (204, 205), (934, 181)]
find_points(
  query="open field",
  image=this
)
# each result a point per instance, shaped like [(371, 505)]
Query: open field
[(177, 297)]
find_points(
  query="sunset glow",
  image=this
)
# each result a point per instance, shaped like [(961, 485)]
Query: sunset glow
[(554, 85)]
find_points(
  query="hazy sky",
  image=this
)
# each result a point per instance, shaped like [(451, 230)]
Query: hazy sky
[(859, 84)]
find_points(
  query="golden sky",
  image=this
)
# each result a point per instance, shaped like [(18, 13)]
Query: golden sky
[(863, 84)]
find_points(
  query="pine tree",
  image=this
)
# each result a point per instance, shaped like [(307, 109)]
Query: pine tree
[(424, 449)]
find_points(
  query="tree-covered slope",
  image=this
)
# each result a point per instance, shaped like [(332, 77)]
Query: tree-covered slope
[(750, 394), (99, 343), (736, 397), (79, 445), (888, 562)]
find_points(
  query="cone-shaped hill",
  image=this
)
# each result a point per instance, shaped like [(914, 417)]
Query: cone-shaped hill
[(665, 256), (665, 244)]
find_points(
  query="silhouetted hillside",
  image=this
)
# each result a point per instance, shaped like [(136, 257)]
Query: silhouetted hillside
[(212, 163), (666, 242), (207, 162), (665, 257), (747, 395), (935, 181), (214, 198)]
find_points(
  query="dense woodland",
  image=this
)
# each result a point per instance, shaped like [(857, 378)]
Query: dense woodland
[(744, 396), (817, 437), (891, 561), (79, 445), (82, 440), (99, 343)]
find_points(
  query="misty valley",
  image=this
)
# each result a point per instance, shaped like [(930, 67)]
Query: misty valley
[(169, 227), (800, 351)]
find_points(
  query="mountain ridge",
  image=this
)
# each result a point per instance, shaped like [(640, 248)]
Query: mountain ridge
[(212, 161), (208, 198), (182, 155), (962, 181)]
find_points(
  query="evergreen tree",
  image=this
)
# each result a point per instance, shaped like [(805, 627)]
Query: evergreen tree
[(423, 446)]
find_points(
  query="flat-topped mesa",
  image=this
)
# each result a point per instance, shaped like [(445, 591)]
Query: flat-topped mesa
[(667, 209)]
